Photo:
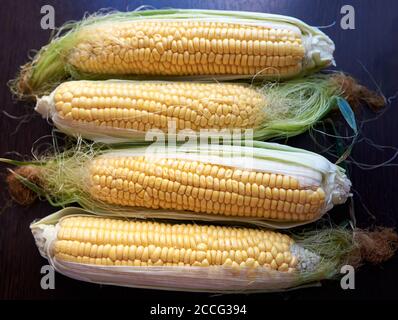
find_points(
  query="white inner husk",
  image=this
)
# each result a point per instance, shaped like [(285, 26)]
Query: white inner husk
[(201, 279)]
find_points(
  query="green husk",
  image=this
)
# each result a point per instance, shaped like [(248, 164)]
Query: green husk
[(58, 174), (297, 105), (335, 246), (49, 66)]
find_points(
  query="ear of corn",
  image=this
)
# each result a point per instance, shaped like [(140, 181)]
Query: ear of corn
[(267, 184), (202, 187), (179, 43), (185, 257), (94, 241), (113, 110), (190, 47)]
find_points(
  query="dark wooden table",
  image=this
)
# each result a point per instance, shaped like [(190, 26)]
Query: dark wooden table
[(370, 53)]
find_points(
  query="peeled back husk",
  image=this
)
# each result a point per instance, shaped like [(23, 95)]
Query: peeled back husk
[(135, 253), (264, 183), (122, 110)]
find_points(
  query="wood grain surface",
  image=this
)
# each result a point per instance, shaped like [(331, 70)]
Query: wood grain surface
[(370, 53)]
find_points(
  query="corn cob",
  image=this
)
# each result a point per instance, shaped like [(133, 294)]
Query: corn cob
[(202, 187), (192, 257), (267, 182), (143, 106), (114, 110), (85, 246), (104, 241), (189, 48), (179, 43)]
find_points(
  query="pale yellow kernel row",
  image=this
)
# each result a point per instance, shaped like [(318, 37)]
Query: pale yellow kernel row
[(194, 28)]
